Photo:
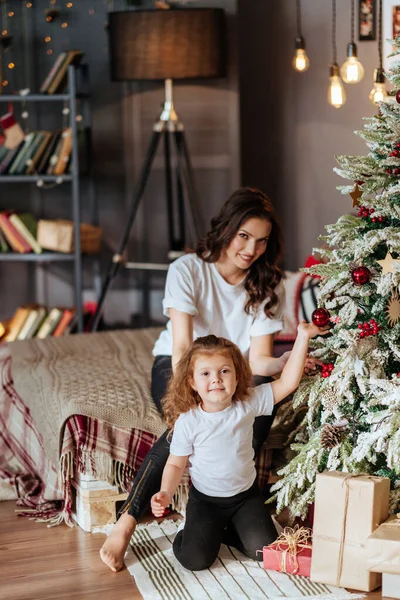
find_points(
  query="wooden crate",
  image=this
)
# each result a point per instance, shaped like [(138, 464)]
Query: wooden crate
[(96, 507)]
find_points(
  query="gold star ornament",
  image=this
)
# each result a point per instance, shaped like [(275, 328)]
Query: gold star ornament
[(388, 263), (355, 196)]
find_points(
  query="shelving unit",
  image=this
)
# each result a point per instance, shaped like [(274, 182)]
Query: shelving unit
[(71, 178)]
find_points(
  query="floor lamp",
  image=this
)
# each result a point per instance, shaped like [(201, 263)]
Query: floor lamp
[(167, 45)]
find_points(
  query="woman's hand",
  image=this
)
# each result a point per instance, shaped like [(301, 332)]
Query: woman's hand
[(311, 365), (281, 362), (159, 502)]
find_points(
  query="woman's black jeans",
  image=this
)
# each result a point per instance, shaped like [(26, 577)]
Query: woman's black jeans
[(148, 479)]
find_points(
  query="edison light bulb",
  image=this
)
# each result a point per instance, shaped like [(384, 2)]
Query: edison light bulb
[(352, 70), (336, 93), (300, 60), (378, 92)]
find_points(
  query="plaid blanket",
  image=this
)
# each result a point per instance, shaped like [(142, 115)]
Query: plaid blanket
[(23, 463), (89, 446)]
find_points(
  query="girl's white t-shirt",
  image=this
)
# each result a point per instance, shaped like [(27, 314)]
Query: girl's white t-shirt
[(219, 445), (196, 287)]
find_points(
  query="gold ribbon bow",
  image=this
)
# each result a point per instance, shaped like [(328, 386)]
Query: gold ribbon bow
[(290, 543)]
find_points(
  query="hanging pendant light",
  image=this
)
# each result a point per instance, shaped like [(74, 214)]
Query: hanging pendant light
[(378, 92), (336, 93), (300, 60), (352, 70)]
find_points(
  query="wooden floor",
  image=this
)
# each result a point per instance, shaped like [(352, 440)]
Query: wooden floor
[(42, 563)]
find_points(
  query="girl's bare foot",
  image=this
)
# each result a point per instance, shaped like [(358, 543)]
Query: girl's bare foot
[(113, 550)]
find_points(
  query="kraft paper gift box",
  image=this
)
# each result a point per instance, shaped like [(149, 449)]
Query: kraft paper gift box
[(390, 586), (348, 508), (383, 548)]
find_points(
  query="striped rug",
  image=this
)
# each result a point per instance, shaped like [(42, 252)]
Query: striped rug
[(159, 576)]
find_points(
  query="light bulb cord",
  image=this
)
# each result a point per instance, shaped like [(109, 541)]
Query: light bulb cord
[(352, 22), (334, 48), (298, 15), (380, 34)]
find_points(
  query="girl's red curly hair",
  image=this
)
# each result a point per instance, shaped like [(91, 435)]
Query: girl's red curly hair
[(181, 397)]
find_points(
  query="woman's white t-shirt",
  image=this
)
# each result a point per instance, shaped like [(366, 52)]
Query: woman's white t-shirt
[(196, 287), (219, 444)]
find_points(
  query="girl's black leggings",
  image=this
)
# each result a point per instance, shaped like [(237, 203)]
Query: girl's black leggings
[(242, 521), (148, 479)]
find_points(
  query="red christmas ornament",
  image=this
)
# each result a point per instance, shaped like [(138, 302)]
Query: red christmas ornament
[(398, 96), (320, 317), (361, 275)]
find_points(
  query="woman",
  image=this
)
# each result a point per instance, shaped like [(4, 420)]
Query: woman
[(230, 287)]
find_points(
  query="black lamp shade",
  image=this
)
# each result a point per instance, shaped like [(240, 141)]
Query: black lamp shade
[(184, 43)]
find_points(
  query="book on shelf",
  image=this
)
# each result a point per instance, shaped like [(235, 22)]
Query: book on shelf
[(38, 152), (36, 321), (65, 323), (17, 242), (9, 158), (27, 161), (33, 321), (41, 152), (50, 323), (16, 323), (3, 152), (57, 65), (48, 152), (20, 159), (4, 245), (64, 152), (57, 77), (26, 225)]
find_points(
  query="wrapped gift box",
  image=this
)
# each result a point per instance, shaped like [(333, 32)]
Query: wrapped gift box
[(383, 548), (348, 508), (290, 553), (280, 559), (390, 586)]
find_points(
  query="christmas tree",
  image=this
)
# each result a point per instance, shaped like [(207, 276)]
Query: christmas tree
[(353, 419)]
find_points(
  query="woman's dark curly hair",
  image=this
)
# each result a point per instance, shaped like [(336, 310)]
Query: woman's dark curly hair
[(181, 397), (264, 274)]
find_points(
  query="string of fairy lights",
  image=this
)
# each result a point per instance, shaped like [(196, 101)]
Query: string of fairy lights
[(352, 71), (56, 16)]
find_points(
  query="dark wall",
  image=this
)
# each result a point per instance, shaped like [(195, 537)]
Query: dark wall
[(122, 117), (290, 134)]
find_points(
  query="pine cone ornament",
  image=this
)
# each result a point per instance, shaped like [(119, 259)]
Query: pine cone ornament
[(331, 436)]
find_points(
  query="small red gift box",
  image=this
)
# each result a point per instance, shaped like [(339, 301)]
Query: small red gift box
[(290, 553)]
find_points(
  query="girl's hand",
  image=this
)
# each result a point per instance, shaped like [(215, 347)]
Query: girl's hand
[(310, 330), (159, 502)]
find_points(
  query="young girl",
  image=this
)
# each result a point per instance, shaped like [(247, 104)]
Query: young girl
[(231, 287), (212, 408)]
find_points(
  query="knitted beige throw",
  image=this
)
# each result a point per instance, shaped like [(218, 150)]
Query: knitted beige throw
[(101, 375)]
